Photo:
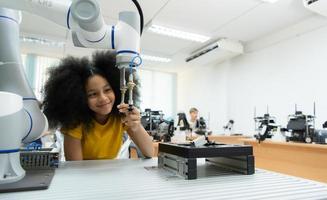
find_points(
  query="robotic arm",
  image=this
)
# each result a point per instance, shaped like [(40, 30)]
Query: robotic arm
[(20, 117), (84, 19)]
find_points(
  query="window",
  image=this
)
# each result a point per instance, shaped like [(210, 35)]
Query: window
[(36, 70), (158, 91), (42, 66)]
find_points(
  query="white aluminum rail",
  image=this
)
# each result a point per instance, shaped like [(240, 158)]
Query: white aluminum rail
[(136, 179)]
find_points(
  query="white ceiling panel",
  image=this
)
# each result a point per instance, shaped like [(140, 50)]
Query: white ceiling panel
[(264, 19), (158, 44), (32, 24), (244, 20), (203, 16)]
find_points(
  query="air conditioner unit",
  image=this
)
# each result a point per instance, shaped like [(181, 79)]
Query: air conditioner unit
[(318, 6), (216, 52)]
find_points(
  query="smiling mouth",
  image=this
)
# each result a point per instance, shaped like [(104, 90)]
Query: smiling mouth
[(103, 105)]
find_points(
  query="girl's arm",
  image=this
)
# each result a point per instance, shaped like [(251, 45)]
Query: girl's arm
[(135, 130), (73, 148)]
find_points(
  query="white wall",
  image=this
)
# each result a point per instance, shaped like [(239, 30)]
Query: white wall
[(291, 68), (205, 89)]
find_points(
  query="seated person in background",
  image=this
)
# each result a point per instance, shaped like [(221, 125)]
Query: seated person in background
[(193, 118), (197, 125), (81, 98)]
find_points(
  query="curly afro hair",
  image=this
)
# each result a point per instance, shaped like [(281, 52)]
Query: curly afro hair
[(65, 99)]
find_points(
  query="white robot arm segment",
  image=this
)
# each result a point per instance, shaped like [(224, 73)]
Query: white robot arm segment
[(56, 11), (84, 19)]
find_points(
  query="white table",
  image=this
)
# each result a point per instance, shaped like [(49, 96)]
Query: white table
[(129, 179)]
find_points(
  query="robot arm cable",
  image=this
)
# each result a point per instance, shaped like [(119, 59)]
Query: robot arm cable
[(139, 9)]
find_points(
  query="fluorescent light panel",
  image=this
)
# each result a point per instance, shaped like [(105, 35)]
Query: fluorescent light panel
[(178, 34), (42, 41), (155, 58)]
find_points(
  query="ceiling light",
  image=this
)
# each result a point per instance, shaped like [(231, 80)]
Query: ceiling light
[(269, 1), (178, 34), (42, 41), (155, 58)]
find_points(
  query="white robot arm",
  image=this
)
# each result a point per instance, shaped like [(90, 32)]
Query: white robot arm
[(20, 117), (88, 28)]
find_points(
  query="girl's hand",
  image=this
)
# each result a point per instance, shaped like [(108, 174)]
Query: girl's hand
[(131, 118)]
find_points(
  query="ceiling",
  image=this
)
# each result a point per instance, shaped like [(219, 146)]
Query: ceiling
[(243, 20)]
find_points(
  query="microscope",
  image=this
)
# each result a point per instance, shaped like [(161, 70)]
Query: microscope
[(229, 126)]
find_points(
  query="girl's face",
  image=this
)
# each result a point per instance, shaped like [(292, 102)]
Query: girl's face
[(100, 96)]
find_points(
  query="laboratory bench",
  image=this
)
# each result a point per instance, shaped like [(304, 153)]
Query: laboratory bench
[(141, 179), (228, 139)]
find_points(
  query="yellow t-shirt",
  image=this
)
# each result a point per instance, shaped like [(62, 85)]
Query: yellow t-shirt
[(102, 141)]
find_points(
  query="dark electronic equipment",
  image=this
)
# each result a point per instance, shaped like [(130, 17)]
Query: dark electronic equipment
[(159, 128), (40, 167), (182, 122), (302, 128), (200, 126), (325, 125), (182, 158), (320, 136), (265, 126), (229, 125)]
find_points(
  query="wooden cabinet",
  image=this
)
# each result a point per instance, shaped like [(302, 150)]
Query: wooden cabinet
[(297, 159)]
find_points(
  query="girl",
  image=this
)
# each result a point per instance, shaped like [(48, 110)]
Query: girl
[(82, 98)]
